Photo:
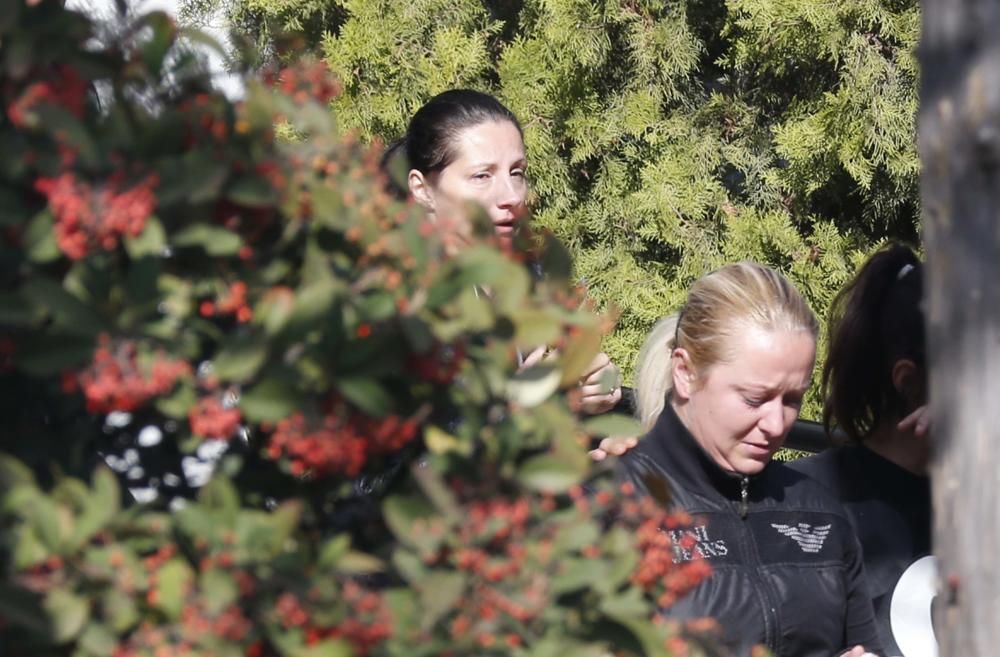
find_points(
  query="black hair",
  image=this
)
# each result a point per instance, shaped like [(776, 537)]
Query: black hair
[(875, 321), (429, 142)]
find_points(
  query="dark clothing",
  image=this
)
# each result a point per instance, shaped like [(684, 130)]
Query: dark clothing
[(890, 509), (786, 565)]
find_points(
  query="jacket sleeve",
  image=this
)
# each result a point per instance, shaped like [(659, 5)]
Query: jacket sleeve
[(860, 627)]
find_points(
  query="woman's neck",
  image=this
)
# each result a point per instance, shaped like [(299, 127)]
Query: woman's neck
[(909, 452)]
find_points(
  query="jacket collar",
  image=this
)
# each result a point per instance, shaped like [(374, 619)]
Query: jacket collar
[(675, 450)]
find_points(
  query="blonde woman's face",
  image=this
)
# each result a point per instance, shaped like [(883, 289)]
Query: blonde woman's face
[(741, 411)]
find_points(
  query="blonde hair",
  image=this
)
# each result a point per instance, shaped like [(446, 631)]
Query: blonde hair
[(720, 305)]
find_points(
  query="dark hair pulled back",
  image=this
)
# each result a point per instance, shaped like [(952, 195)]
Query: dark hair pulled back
[(875, 321), (429, 142)]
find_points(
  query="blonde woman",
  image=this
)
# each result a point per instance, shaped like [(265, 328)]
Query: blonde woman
[(719, 386)]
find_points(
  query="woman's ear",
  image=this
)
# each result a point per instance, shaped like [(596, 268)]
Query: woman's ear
[(683, 372), (420, 189), (908, 383)]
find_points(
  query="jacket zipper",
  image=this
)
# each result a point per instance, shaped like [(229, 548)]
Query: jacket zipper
[(744, 495), (767, 606)]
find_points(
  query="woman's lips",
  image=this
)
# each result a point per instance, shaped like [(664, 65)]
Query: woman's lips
[(758, 450)]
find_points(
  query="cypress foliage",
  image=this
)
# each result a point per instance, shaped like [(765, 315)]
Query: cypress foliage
[(665, 137)]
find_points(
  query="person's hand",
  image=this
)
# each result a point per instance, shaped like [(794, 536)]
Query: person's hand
[(613, 446), (595, 398), (534, 358), (918, 422), (858, 651)]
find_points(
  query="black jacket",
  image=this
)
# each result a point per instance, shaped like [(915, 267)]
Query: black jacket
[(890, 509), (786, 564)]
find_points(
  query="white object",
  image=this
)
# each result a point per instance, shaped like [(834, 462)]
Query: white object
[(910, 609)]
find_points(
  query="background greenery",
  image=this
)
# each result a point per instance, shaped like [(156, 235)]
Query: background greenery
[(665, 137), (175, 277)]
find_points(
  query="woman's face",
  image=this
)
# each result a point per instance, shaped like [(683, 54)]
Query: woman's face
[(741, 411), (488, 169)]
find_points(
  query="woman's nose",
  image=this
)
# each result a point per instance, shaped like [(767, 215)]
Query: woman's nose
[(511, 193)]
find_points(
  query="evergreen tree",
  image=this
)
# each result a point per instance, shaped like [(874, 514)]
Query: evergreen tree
[(665, 138)]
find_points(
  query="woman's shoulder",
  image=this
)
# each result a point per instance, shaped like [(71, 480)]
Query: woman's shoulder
[(797, 488)]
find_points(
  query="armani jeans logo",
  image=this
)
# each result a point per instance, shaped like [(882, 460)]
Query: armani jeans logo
[(809, 538)]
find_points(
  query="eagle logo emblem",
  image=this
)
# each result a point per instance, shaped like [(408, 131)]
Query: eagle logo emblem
[(809, 538)]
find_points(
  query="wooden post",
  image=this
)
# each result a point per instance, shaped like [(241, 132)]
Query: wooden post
[(959, 130)]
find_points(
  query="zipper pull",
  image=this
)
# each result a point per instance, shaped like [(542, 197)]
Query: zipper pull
[(744, 494)]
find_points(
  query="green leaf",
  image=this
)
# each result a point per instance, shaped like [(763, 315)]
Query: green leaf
[(172, 583), (178, 404), (252, 192), (359, 563), (71, 131), (40, 239), (45, 355), (196, 177), (535, 327), (579, 354), (16, 312), (23, 608), (221, 497), (313, 305), (218, 590), (120, 610), (576, 536), (67, 614), (577, 574), (556, 260), (629, 604), (327, 648), (98, 640), (439, 593), (152, 241), (270, 400), (14, 473), (613, 424), (100, 506), (648, 636), (240, 358), (44, 519), (409, 566), (215, 240), (156, 47), (333, 550), (532, 386), (400, 511), (548, 473), (367, 394), (68, 312), (439, 441)]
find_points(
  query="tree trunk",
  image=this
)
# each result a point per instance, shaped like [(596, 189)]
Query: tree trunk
[(960, 188)]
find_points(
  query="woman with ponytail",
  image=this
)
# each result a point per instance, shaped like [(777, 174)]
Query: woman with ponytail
[(465, 148), (875, 390), (719, 386)]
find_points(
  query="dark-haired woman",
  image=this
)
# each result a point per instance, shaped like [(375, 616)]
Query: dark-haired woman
[(465, 147), (875, 390)]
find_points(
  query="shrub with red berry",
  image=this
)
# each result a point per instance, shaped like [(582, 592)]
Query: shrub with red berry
[(175, 275)]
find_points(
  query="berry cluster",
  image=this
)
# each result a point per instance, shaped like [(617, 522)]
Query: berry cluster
[(305, 81), (660, 571), (232, 303), (89, 217), (116, 381), (63, 88), (366, 625), (340, 443), (209, 418)]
